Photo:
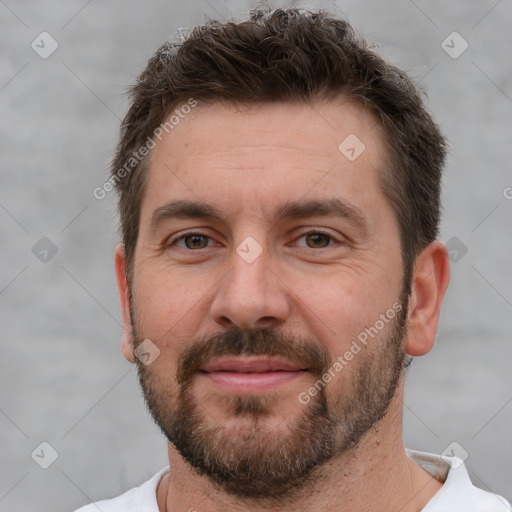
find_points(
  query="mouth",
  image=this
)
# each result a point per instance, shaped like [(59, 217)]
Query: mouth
[(249, 375)]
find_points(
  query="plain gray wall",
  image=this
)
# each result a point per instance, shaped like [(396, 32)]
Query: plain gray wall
[(63, 379)]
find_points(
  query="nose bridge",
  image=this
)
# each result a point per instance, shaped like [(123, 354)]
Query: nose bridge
[(251, 262), (249, 295)]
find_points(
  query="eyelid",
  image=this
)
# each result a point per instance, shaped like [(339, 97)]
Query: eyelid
[(309, 231), (183, 234), (337, 239)]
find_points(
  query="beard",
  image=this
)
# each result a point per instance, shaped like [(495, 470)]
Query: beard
[(243, 455)]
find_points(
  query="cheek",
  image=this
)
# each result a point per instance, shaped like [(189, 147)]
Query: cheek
[(162, 298), (342, 303), (161, 310)]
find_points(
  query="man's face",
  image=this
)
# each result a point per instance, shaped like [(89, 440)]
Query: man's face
[(252, 306)]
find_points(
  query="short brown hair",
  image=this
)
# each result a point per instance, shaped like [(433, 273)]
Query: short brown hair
[(289, 55)]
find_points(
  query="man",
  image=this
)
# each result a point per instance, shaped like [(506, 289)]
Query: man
[(279, 200)]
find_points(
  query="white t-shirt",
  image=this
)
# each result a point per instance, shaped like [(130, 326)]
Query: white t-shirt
[(458, 494)]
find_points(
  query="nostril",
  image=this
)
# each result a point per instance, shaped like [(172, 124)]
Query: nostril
[(226, 322)]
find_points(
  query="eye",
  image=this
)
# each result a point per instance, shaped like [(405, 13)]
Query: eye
[(317, 239), (192, 241)]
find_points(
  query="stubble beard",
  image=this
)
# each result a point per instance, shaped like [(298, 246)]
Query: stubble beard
[(251, 460)]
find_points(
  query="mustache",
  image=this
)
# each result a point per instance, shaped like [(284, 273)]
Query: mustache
[(303, 352)]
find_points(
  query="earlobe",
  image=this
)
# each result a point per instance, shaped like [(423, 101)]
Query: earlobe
[(127, 345), (430, 279), (124, 297)]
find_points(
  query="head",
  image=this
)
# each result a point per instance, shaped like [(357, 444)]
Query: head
[(284, 197)]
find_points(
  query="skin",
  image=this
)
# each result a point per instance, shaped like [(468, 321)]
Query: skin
[(245, 163)]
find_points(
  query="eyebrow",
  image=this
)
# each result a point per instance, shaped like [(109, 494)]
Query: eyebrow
[(334, 207)]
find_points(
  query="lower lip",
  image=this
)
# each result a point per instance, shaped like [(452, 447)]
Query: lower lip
[(251, 382)]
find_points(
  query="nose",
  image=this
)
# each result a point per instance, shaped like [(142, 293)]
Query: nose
[(250, 295)]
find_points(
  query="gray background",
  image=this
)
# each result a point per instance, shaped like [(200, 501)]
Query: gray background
[(63, 379)]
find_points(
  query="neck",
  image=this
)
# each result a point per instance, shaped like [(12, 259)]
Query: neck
[(375, 475)]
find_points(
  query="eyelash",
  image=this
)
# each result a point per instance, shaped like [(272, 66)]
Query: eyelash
[(311, 232)]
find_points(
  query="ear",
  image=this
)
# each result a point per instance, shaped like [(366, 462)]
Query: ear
[(430, 279), (124, 297)]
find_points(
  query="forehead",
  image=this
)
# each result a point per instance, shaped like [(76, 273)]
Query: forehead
[(264, 153), (316, 129)]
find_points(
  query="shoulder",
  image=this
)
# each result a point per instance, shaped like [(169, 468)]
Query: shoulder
[(138, 499), (457, 492)]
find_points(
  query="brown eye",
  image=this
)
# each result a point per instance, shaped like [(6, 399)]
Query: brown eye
[(192, 241), (196, 241), (318, 240)]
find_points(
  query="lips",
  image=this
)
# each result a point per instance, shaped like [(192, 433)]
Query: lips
[(242, 375), (251, 365)]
